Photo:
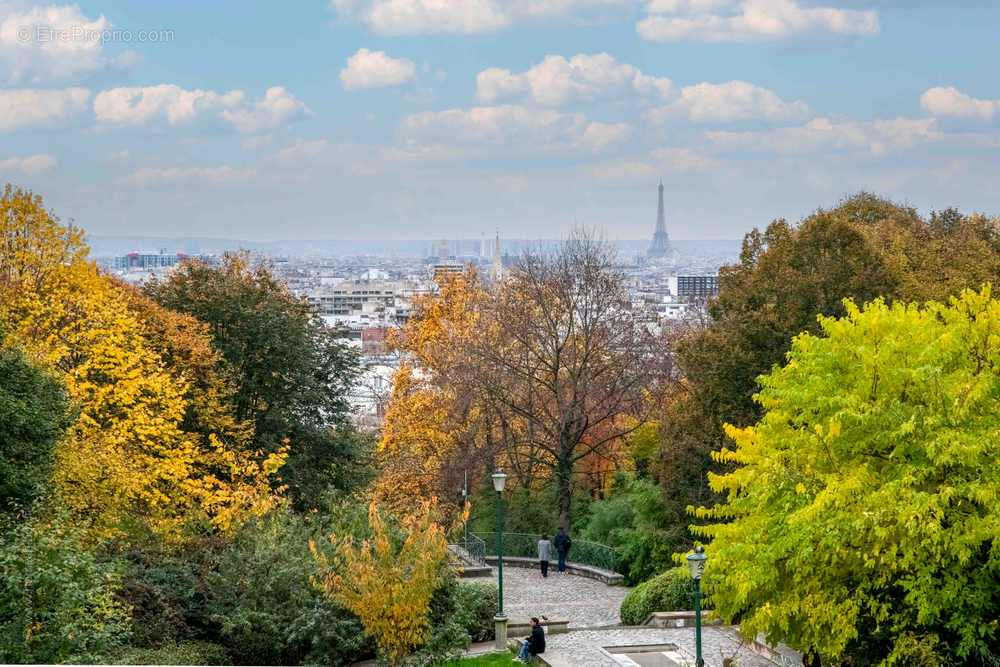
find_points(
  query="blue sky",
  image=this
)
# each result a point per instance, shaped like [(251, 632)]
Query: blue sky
[(361, 119)]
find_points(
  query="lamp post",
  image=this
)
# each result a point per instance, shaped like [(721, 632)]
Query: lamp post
[(465, 501), (696, 561), (500, 621)]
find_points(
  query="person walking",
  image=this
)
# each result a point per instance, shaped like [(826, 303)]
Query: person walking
[(544, 554), (533, 645), (562, 543)]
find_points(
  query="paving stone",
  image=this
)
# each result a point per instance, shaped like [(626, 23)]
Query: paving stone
[(585, 603), (582, 648), (591, 606)]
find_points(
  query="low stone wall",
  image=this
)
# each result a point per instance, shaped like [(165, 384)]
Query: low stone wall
[(522, 627), (588, 571), (676, 619)]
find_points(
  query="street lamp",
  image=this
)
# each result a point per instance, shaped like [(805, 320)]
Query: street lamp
[(500, 621), (696, 561)]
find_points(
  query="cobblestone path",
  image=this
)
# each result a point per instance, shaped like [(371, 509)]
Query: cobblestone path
[(583, 602), (583, 648)]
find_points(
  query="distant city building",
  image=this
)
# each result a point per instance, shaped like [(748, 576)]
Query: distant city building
[(373, 341), (146, 260), (353, 296), (660, 247), (697, 287), (442, 269)]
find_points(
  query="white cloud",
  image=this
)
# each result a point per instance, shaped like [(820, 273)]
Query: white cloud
[(413, 17), (135, 106), (277, 107), (599, 136), (374, 69), (467, 17), (153, 176), (51, 43), (727, 102), (953, 102), (510, 128), (488, 124), (556, 81), (822, 134), (28, 108), (32, 164), (175, 105), (749, 20)]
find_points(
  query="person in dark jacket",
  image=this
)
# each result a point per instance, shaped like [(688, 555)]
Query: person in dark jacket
[(562, 544), (533, 645)]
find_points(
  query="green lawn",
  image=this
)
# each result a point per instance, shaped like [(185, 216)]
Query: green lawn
[(491, 660)]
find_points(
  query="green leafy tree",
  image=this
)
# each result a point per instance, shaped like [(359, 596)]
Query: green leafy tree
[(787, 275), (34, 412), (292, 373), (863, 511)]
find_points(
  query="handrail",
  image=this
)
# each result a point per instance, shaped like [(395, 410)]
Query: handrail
[(474, 547), (584, 552)]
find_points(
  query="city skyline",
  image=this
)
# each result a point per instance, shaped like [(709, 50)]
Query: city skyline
[(354, 119)]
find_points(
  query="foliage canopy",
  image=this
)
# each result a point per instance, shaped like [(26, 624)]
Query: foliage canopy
[(862, 515)]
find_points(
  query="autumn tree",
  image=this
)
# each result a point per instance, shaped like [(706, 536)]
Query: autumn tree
[(568, 366), (386, 581), (128, 463), (437, 425), (861, 517), (291, 373)]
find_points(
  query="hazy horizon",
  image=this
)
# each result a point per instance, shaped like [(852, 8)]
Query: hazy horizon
[(416, 119)]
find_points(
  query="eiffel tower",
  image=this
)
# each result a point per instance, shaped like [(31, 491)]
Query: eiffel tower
[(661, 241)]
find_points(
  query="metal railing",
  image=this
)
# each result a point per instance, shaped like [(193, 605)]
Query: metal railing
[(475, 547), (525, 545)]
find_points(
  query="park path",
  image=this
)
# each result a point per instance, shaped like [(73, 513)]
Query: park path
[(591, 607), (585, 603)]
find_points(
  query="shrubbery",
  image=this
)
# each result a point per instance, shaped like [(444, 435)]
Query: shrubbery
[(633, 520), (174, 653), (671, 591), (57, 601), (260, 597), (460, 613)]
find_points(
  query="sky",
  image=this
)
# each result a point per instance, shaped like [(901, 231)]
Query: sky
[(419, 119)]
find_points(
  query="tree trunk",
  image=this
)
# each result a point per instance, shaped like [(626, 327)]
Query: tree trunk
[(564, 489)]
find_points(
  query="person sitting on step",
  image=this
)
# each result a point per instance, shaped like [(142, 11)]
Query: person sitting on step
[(533, 645)]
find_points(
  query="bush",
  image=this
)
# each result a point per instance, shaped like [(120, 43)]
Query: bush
[(460, 614), (671, 591), (632, 520), (174, 653), (164, 592), (57, 600), (477, 606), (260, 597)]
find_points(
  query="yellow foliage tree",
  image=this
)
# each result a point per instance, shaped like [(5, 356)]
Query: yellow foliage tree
[(415, 442), (144, 450), (388, 585)]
